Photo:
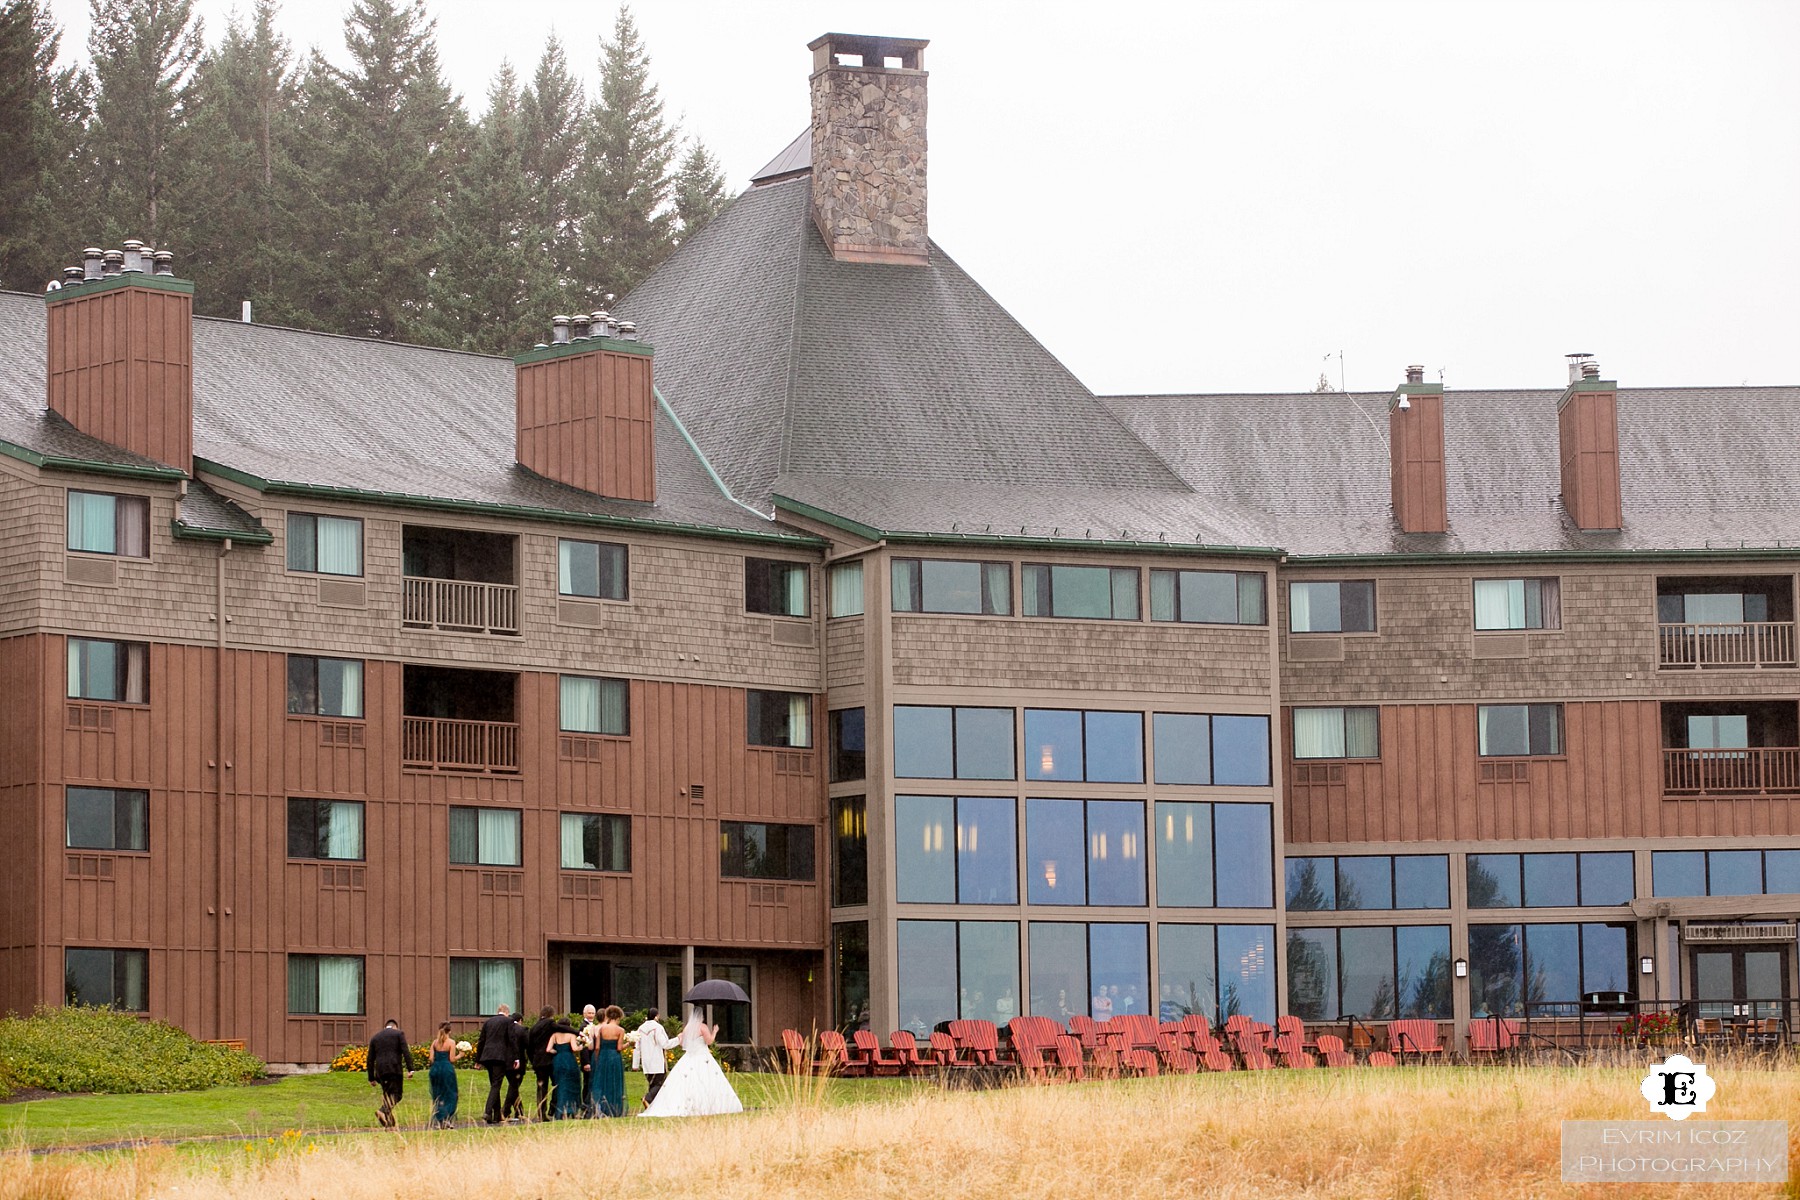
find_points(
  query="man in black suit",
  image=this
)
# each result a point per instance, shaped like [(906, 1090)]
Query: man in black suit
[(389, 1056), (537, 1046), (513, 1109), (495, 1053)]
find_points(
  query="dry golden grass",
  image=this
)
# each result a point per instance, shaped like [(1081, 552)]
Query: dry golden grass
[(1405, 1133)]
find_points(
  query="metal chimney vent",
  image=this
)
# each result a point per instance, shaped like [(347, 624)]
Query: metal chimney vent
[(559, 330), (1578, 364), (1415, 374)]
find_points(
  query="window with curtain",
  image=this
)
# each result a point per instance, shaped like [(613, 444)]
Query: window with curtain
[(107, 818), (104, 670), (778, 588), (479, 986), (325, 829), (596, 842), (1332, 606), (119, 978), (590, 705), (779, 718), (324, 545), (1207, 597), (1102, 593), (755, 850), (1518, 604), (1337, 732), (106, 524), (487, 837), (596, 570), (850, 851), (846, 589), (325, 687), (933, 585), (325, 983), (1519, 730)]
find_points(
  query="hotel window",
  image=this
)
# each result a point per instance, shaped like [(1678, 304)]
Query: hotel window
[(1218, 970), (1567, 880), (1085, 852), (115, 671), (325, 687), (846, 587), (952, 969), (779, 719), (119, 978), (953, 743), (103, 524), (325, 983), (1221, 750), (848, 753), (596, 842), (850, 857), (752, 850), (1099, 747), (1332, 606), (1207, 597), (1214, 855), (1519, 730), (325, 829), (1518, 604), (932, 585), (592, 569), (107, 818), (486, 837), (781, 589), (1368, 882), (479, 986), (1102, 593), (956, 850), (1374, 972), (324, 545), (1544, 970), (1337, 733), (1725, 872), (590, 705), (1100, 970)]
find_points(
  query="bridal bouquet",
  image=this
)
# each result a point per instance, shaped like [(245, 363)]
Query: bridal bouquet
[(463, 1047)]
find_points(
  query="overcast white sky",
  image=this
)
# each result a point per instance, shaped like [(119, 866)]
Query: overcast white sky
[(1216, 196)]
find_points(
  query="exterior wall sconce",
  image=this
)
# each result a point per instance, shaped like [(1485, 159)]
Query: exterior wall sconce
[(1646, 965), (1462, 968)]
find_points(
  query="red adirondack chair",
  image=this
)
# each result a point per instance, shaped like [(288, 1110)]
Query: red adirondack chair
[(913, 1060), (799, 1058), (1087, 1030), (1331, 1049), (1381, 1058), (945, 1050), (1249, 1044), (1492, 1035), (880, 1062), (1216, 1060), (1290, 1035), (1298, 1058), (1068, 1058), (978, 1041), (1140, 1062), (1416, 1036), (1175, 1056), (838, 1057)]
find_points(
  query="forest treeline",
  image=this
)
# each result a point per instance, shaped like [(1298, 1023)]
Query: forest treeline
[(361, 200)]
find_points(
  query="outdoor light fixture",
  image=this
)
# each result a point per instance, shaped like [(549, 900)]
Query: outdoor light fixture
[(1646, 965), (1462, 968)]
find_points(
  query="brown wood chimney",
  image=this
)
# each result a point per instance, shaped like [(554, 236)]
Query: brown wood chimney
[(1587, 421), (868, 147), (121, 356), (587, 412), (1416, 455)]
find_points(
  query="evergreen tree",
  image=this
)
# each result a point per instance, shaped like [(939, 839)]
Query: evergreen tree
[(553, 122), (700, 193), (144, 54), (42, 119), (627, 226)]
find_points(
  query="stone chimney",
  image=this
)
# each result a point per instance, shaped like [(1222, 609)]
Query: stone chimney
[(121, 352), (587, 411), (1416, 455), (1587, 422), (868, 147)]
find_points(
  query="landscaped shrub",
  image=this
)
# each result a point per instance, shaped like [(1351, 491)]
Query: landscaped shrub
[(80, 1049)]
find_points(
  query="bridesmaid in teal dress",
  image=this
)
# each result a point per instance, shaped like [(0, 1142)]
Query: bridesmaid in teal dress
[(609, 1064), (565, 1072), (442, 1076)]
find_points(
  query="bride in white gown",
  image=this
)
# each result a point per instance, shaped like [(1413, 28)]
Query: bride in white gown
[(696, 1086)]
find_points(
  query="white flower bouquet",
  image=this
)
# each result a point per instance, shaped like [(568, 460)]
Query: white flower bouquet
[(463, 1046)]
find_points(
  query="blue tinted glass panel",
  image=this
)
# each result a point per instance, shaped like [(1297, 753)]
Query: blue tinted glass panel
[(1115, 830), (1366, 972), (1421, 881), (1056, 851), (927, 974), (1240, 751), (922, 743), (925, 849), (1115, 747), (989, 958), (1734, 873), (1243, 857), (1607, 878), (1678, 873), (1552, 963), (950, 587), (1053, 744), (1365, 882), (1184, 858), (1493, 881), (1186, 972), (987, 857), (1247, 971), (984, 743), (1119, 964), (1312, 974), (1183, 747), (1422, 966), (1606, 959), (1496, 966), (1783, 868), (1311, 884), (1549, 880), (1059, 982)]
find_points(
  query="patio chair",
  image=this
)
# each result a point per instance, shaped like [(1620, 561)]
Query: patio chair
[(1492, 1036), (1068, 1058), (1331, 1049), (1249, 1045), (880, 1062), (913, 1061), (1175, 1056), (1141, 1063), (945, 1051), (1415, 1036), (1087, 1030), (839, 1058), (1381, 1058), (1298, 1059), (977, 1040), (1216, 1060), (799, 1057)]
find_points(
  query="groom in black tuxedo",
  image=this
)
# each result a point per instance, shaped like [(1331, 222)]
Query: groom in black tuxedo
[(496, 1054), (389, 1055)]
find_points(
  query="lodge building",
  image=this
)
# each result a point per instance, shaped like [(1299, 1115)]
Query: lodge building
[(845, 645)]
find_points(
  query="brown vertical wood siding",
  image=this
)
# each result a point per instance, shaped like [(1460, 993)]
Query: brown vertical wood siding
[(588, 420), (1588, 426), (121, 368), (1416, 467)]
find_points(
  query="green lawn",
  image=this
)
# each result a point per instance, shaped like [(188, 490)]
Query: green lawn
[(312, 1103)]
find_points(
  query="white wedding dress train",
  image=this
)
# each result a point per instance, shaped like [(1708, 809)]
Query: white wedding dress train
[(696, 1086)]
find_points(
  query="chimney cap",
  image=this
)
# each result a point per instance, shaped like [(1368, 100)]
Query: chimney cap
[(1415, 373), (873, 49)]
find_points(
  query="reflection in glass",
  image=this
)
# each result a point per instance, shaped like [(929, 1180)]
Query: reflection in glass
[(1247, 971), (1422, 966), (1366, 972), (1734, 873), (922, 745), (1186, 972), (1115, 836), (1243, 856), (1552, 964), (1311, 884), (1493, 881), (1053, 744), (1055, 846), (1496, 960), (1549, 880), (1421, 881), (850, 974), (1365, 882), (984, 743), (926, 968), (925, 849), (1678, 873), (1118, 968), (1059, 970), (1115, 747), (986, 851), (1183, 747), (1184, 854), (1240, 751), (1313, 974), (989, 961), (1607, 878)]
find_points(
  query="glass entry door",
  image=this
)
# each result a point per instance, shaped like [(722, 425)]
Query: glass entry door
[(1740, 981)]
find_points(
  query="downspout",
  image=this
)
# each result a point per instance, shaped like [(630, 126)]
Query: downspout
[(695, 447), (220, 912)]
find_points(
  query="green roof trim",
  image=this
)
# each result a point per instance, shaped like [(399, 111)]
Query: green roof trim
[(199, 533), (277, 487), (566, 349), (143, 279), (58, 462), (987, 537), (1528, 557)]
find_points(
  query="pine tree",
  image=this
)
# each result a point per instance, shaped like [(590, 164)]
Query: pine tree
[(700, 193), (42, 121), (553, 120), (627, 226), (144, 54)]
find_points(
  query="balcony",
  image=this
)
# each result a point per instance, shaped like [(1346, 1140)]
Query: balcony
[(1725, 622), (1748, 644), (460, 581), (459, 720), (1731, 748)]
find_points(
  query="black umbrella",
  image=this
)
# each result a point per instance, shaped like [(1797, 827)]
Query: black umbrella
[(716, 991)]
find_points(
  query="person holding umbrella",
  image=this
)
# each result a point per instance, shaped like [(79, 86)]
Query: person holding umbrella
[(697, 1086)]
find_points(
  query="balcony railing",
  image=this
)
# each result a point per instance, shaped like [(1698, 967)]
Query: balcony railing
[(436, 744), (461, 607), (1754, 771), (1738, 644)]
